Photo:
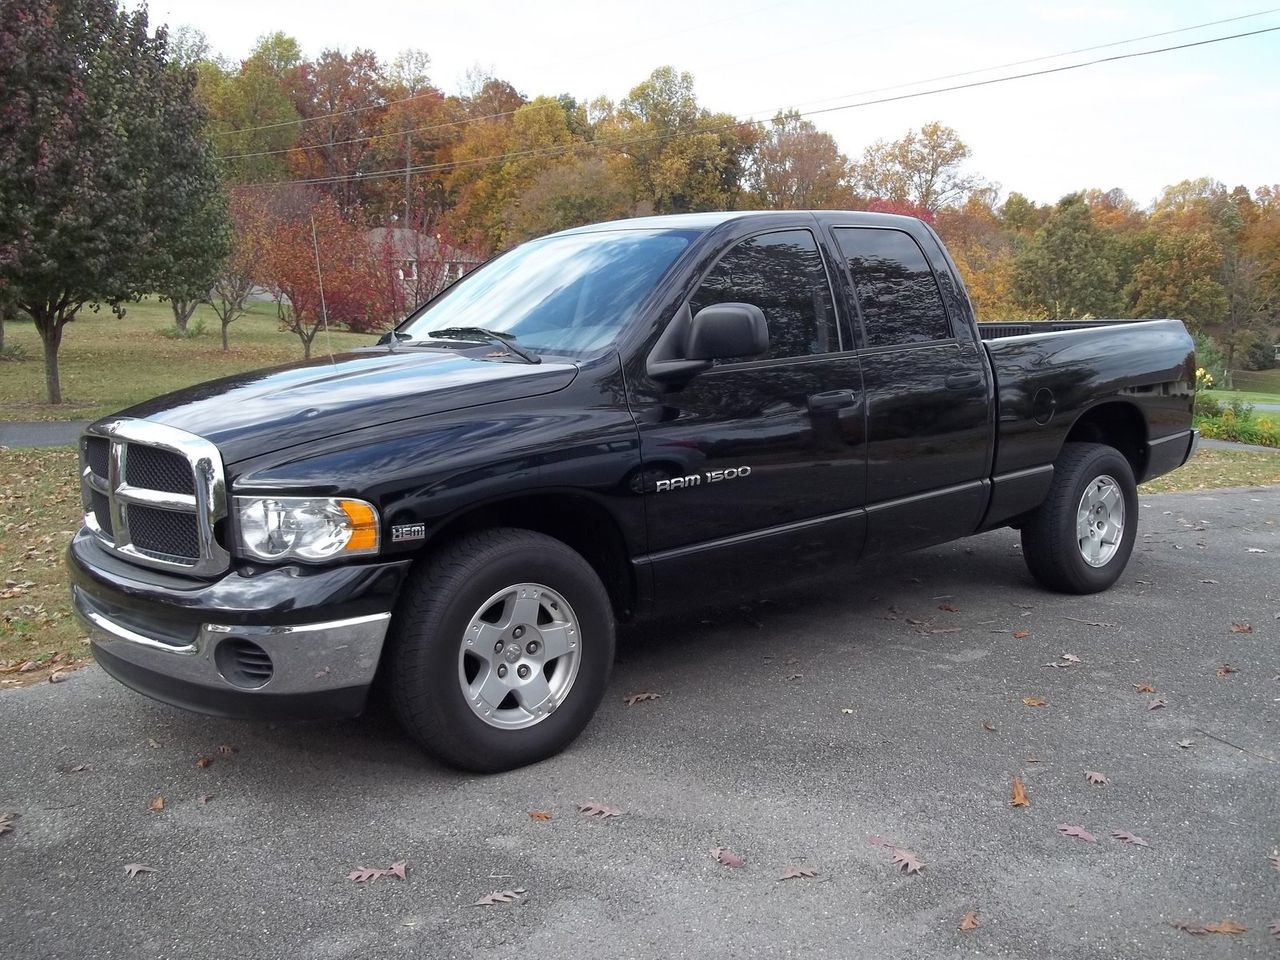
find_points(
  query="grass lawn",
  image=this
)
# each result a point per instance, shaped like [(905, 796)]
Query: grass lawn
[(40, 509), (108, 364), (1224, 397)]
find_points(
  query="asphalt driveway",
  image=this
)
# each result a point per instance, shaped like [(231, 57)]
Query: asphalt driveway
[(786, 731)]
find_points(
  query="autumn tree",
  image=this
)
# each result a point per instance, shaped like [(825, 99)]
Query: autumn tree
[(239, 272), (799, 167), (684, 157), (252, 118), (582, 190), (924, 167), (1066, 268), (340, 100), (983, 251), (103, 163), (318, 265)]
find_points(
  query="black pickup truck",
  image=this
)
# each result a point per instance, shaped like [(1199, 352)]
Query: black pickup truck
[(599, 424)]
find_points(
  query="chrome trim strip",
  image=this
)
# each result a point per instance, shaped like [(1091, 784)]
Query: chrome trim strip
[(209, 504), (1023, 474), (1180, 435), (927, 495), (751, 535), (159, 499)]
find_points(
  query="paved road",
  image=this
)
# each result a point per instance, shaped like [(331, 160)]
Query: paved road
[(53, 433), (737, 755)]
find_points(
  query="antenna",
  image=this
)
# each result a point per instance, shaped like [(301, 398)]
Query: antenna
[(324, 310)]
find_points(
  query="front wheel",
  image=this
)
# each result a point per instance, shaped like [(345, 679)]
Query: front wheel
[(500, 650), (1079, 540)]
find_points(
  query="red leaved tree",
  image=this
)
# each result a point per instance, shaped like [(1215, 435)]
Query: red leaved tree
[(318, 265)]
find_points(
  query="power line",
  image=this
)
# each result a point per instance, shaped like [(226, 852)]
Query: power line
[(898, 86), (552, 151)]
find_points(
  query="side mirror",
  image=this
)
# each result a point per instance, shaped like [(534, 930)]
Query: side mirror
[(721, 331), (726, 330)]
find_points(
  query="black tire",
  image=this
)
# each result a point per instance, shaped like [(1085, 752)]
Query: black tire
[(427, 631), (1050, 542)]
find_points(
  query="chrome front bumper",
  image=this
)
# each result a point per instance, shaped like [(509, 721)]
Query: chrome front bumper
[(316, 669)]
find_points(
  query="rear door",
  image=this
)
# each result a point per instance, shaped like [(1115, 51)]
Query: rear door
[(755, 468), (927, 395)]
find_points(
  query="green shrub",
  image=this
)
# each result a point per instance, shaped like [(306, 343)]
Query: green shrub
[(14, 352), (193, 330), (1237, 422)]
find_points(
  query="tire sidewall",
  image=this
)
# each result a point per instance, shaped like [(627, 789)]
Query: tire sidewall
[(1103, 461), (435, 641)]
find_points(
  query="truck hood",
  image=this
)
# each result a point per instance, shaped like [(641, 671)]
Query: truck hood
[(268, 410)]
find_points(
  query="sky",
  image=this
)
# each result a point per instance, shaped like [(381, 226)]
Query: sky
[(1138, 124)]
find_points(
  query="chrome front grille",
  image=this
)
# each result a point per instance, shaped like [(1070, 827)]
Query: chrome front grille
[(154, 495)]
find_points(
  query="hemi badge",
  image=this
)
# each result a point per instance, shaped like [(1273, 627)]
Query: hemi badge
[(408, 531)]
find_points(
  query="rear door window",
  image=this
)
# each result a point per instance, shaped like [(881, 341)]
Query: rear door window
[(895, 286)]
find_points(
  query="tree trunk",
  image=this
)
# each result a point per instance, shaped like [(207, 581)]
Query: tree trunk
[(182, 311), (225, 346), (50, 327), (4, 315)]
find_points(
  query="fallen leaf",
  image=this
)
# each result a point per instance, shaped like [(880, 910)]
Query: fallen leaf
[(6, 822), (1256, 550), (57, 676), (876, 841), (1124, 836), (540, 815), (80, 768), (948, 608), (369, 874), (1195, 929), (635, 698), (204, 762), (1019, 797), (1275, 860), (133, 869), (1033, 760), (1184, 744), (1275, 929), (1144, 688), (227, 749), (906, 861), (1226, 926), (727, 857), (988, 726), (204, 798), (1080, 833), (1226, 669), (152, 744), (1208, 581), (795, 676), (1094, 777), (797, 873), (969, 921), (1241, 628), (500, 896), (1071, 658), (1034, 701), (1021, 634), (848, 710), (601, 810), (1155, 705), (156, 805)]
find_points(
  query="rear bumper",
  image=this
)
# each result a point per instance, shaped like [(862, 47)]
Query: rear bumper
[(266, 643)]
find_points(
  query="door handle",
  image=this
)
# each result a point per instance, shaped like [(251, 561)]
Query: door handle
[(963, 381), (832, 400)]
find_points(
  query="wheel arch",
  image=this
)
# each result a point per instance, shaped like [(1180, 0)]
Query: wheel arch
[(1118, 424), (579, 521)]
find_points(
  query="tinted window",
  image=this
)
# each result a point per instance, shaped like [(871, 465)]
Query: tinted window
[(782, 274), (896, 289), (568, 294)]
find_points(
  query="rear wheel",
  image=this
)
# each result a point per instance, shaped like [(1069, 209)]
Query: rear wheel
[(500, 650), (1079, 540)]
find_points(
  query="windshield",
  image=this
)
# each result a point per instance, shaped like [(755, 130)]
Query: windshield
[(566, 295)]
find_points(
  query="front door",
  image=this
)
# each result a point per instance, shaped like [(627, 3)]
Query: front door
[(755, 468)]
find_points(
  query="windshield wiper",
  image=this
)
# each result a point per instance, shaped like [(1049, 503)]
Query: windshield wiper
[(506, 340)]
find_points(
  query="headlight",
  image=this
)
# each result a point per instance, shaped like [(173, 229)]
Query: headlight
[(303, 528)]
